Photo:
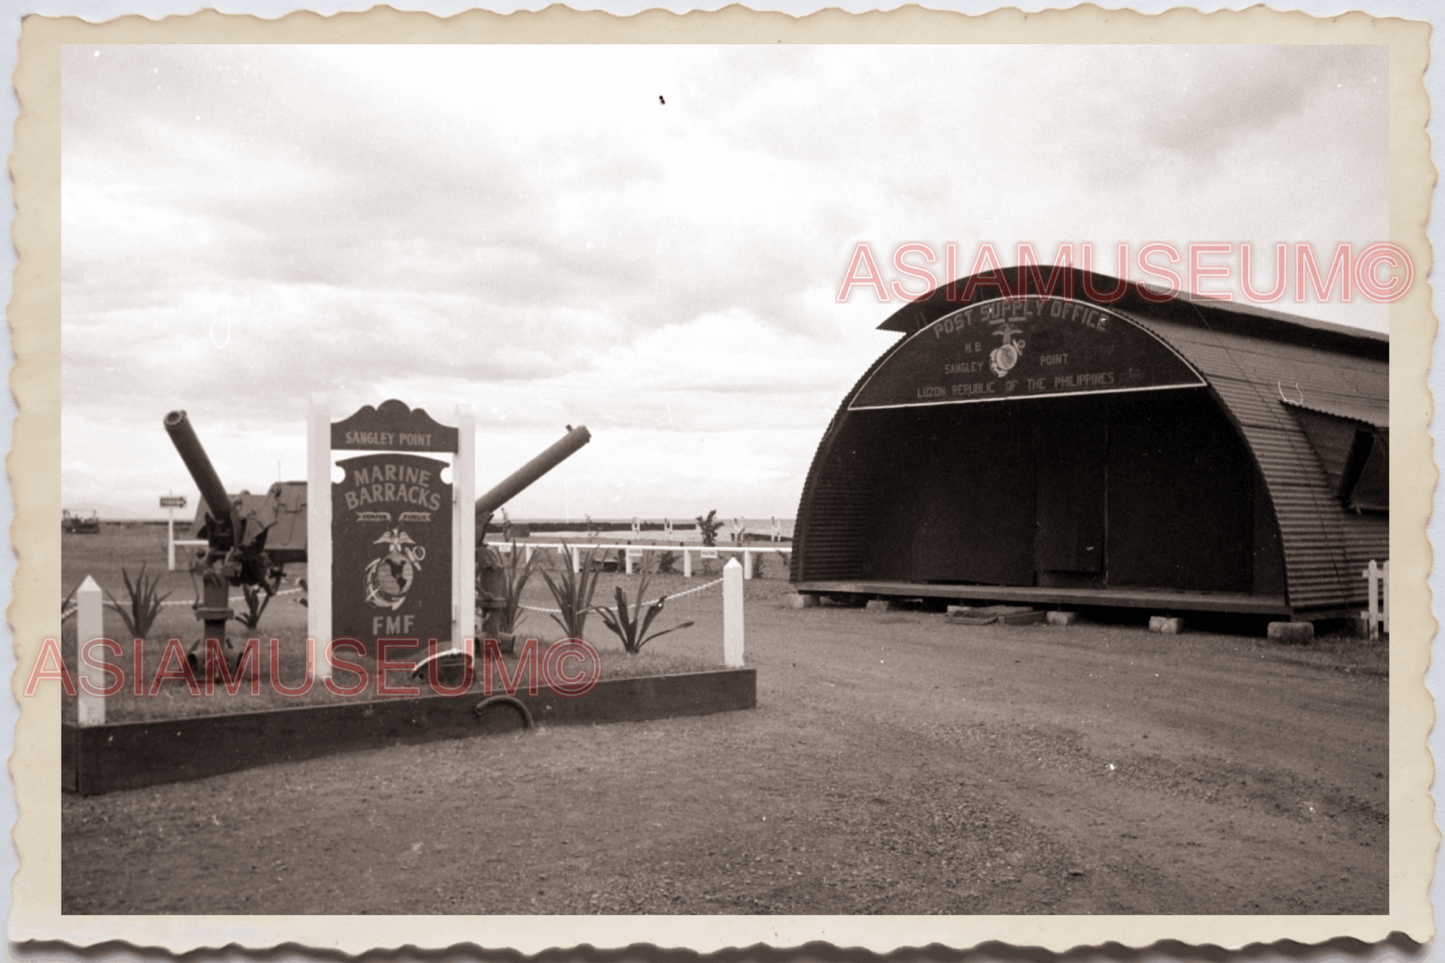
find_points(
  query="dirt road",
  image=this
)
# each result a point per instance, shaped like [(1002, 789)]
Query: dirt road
[(895, 764)]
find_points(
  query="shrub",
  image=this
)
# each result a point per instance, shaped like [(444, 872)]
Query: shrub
[(709, 527), (144, 606), (630, 623), (666, 563), (573, 592)]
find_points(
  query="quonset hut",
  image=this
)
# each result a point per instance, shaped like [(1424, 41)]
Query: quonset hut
[(1062, 438)]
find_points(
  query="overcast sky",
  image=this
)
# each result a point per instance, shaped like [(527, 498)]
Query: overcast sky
[(533, 231)]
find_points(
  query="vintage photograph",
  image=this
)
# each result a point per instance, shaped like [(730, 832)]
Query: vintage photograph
[(929, 480)]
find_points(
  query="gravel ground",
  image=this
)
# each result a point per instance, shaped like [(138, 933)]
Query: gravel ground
[(895, 764)]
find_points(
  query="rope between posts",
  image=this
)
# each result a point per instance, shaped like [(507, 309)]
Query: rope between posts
[(707, 585)]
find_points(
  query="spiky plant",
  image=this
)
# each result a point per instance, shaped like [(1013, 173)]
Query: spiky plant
[(630, 622), (257, 598), (144, 605), (573, 592), (516, 573)]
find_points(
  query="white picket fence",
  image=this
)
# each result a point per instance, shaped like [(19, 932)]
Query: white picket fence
[(183, 543), (1378, 578), (634, 553)]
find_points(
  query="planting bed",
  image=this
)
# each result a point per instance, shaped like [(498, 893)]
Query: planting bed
[(99, 759)]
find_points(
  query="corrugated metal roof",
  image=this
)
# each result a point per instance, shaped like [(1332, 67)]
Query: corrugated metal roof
[(1373, 416), (1326, 546)]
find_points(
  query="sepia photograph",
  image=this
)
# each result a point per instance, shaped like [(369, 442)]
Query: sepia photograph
[(724, 480)]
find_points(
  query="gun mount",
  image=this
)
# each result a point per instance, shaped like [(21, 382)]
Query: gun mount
[(236, 530)]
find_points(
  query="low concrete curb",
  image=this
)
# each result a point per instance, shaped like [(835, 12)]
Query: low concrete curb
[(129, 755)]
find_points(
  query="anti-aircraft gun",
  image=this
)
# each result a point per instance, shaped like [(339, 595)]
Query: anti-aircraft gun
[(250, 538), (491, 581)]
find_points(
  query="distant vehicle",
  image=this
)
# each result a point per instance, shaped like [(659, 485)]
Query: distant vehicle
[(79, 524)]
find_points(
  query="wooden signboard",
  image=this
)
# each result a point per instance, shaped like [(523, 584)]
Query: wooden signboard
[(391, 538), (390, 546), (1011, 349)]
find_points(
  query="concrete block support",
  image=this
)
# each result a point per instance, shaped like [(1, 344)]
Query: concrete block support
[(1062, 618), (881, 605), (1165, 625), (1291, 633), (800, 601)]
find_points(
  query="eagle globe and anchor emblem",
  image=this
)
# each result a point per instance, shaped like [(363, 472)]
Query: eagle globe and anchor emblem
[(390, 577), (1002, 359)]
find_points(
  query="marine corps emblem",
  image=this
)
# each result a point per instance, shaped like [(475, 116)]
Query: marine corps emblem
[(389, 578), (1002, 359)]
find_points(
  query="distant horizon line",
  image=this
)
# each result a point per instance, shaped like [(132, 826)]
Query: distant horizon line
[(618, 520)]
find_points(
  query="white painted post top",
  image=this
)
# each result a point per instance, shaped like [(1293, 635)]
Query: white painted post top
[(89, 626)]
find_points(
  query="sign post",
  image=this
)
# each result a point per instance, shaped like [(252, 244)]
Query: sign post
[(318, 539), (170, 503)]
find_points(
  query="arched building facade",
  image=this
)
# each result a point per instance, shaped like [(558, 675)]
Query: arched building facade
[(1062, 438)]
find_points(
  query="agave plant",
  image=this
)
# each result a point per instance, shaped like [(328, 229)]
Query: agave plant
[(145, 604), (515, 574), (631, 623), (573, 592), (257, 598)]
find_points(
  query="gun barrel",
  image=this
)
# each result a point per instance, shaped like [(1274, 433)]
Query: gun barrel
[(520, 479), (183, 436)]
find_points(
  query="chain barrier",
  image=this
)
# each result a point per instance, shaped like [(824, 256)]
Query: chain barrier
[(677, 595)]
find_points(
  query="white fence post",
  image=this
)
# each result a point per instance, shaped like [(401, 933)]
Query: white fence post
[(733, 614), (1386, 594), (576, 561), (686, 564), (1377, 578), (89, 625), (747, 564)]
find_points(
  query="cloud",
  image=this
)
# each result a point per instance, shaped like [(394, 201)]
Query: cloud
[(530, 231)]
